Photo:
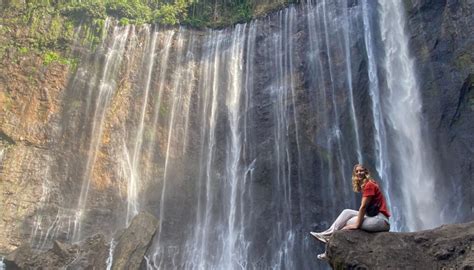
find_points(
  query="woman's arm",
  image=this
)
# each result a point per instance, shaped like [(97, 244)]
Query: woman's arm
[(360, 216)]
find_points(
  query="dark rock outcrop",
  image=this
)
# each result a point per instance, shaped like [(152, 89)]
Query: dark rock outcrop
[(92, 253), (89, 254), (446, 246), (134, 242)]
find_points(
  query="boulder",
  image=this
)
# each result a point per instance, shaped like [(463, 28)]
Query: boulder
[(134, 242), (88, 254), (448, 246), (91, 253)]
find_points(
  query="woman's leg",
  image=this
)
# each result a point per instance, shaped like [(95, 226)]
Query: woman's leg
[(341, 221), (371, 224), (374, 224)]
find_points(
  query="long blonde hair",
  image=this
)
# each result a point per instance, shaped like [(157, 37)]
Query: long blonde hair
[(358, 184)]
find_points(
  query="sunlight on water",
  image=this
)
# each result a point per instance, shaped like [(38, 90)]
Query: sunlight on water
[(241, 140)]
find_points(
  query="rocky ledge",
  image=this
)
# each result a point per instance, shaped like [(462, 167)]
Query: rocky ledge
[(95, 252), (446, 247)]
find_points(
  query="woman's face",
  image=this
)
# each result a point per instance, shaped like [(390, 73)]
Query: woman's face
[(360, 172)]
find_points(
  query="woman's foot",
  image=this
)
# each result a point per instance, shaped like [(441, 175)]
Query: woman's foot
[(323, 256), (320, 237)]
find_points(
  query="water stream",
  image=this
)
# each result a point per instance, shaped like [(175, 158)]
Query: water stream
[(242, 140)]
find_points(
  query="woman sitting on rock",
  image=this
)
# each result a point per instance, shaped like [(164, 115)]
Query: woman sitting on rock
[(373, 213)]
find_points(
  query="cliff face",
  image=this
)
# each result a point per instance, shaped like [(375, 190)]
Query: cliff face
[(31, 96), (240, 140), (442, 47)]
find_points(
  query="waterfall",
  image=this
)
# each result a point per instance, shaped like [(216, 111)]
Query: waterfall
[(110, 258), (133, 161), (403, 106), (347, 28), (106, 86), (379, 137), (283, 91), (240, 140), (233, 235)]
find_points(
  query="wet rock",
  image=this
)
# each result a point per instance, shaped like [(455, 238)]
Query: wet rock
[(444, 58), (446, 246), (134, 242), (91, 253), (88, 254)]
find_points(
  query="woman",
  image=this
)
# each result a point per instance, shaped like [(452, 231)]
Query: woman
[(351, 219)]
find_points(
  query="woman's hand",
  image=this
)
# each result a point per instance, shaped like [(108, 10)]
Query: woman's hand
[(350, 227)]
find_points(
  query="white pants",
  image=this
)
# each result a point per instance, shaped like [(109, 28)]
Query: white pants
[(378, 223)]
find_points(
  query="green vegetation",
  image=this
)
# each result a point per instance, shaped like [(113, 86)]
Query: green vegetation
[(198, 13), (51, 56), (35, 29), (47, 27), (127, 12)]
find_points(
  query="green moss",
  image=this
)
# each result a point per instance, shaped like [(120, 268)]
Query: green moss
[(7, 100), (55, 28), (23, 50), (163, 111), (149, 134), (464, 61), (3, 50), (124, 21), (75, 105), (52, 56), (68, 30), (471, 103)]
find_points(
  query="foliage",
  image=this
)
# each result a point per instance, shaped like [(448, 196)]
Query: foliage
[(51, 23), (135, 11), (85, 11), (171, 14), (124, 21), (51, 56)]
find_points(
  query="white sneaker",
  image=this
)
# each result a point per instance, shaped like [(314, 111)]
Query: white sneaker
[(323, 256), (320, 237)]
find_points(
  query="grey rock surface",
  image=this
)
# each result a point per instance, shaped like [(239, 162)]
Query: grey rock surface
[(134, 242), (446, 246), (91, 253), (442, 43)]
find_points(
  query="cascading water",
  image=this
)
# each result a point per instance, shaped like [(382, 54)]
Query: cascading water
[(106, 85), (403, 111), (110, 258), (242, 140), (379, 137), (133, 160)]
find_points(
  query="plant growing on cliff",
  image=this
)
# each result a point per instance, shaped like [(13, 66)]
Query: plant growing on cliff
[(51, 56)]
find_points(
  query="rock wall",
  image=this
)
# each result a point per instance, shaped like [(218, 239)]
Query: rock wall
[(442, 47), (31, 95), (70, 168)]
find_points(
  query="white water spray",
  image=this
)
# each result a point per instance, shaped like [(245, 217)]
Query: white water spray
[(105, 89), (403, 104)]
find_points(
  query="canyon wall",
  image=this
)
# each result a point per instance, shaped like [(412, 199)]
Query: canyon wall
[(241, 140)]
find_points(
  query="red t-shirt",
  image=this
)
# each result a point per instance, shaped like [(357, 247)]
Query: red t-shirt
[(371, 189)]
